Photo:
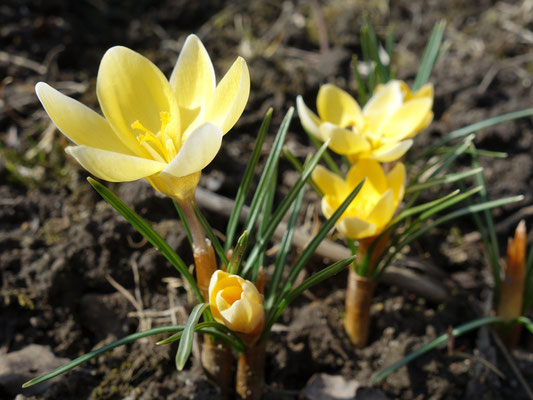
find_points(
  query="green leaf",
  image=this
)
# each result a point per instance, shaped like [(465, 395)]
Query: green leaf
[(526, 322), (244, 187), (184, 222), (211, 235), (281, 210), (460, 330), (450, 178), (423, 207), (299, 167), (431, 53), (185, 346), (238, 253), (528, 112), (332, 165), (382, 72), (362, 92), (95, 353), (313, 280), (270, 167), (146, 230)]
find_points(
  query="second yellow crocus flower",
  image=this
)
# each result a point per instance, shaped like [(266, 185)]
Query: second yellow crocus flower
[(153, 128), (373, 207), (381, 131)]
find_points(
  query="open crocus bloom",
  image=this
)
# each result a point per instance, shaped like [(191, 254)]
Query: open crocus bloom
[(381, 131), (165, 131), (236, 303), (375, 204)]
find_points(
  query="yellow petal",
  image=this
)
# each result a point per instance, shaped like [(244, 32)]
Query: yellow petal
[(193, 78), (79, 123), (423, 124), (343, 141), (114, 167), (197, 152), (326, 204), (404, 122), (396, 181), (425, 91), (372, 171), (392, 151), (383, 211), (309, 119), (230, 97), (131, 88), (237, 316), (381, 106), (355, 228), (176, 188), (338, 107), (329, 183)]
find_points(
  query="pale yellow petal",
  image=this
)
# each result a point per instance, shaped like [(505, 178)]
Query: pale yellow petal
[(114, 167), (372, 171), (327, 208), (355, 228), (338, 107), (396, 181), (230, 97), (406, 120), (309, 119), (392, 151), (382, 106), (236, 317), (131, 88), (329, 183), (193, 78), (343, 141), (217, 276), (383, 210), (200, 148), (79, 123), (425, 91), (423, 124)]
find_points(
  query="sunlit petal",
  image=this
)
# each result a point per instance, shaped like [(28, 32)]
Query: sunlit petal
[(343, 141), (338, 107), (329, 183), (309, 119), (396, 181), (369, 169), (381, 106), (200, 148), (383, 210), (193, 78), (114, 167), (79, 123), (392, 151), (404, 122), (355, 228), (131, 88), (230, 97)]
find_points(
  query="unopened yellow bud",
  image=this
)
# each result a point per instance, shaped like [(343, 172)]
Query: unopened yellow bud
[(236, 303)]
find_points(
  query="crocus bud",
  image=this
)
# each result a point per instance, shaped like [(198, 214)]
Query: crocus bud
[(236, 303)]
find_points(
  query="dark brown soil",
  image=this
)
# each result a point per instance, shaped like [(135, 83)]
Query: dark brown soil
[(59, 242)]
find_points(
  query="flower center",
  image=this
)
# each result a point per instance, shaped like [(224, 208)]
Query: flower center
[(160, 145), (231, 294)]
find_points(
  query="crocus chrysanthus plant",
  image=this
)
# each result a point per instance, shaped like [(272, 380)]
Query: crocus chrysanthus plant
[(381, 131), (153, 128)]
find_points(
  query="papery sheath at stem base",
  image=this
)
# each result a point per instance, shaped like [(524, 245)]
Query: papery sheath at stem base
[(251, 373), (219, 365), (359, 295)]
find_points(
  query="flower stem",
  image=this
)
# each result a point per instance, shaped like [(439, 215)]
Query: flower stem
[(251, 372), (359, 295), (219, 365)]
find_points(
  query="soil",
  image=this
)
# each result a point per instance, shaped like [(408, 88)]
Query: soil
[(62, 247)]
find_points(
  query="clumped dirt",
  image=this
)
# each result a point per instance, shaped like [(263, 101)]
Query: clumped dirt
[(63, 248)]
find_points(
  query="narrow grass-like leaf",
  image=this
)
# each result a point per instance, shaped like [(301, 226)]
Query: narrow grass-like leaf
[(450, 158), (526, 322), (431, 53), (332, 165), (448, 203), (146, 230), (373, 48), (450, 178), (95, 353), (283, 252), (528, 112), (184, 222), (313, 280), (281, 210), (270, 167), (242, 192), (211, 235), (238, 253), (423, 207), (185, 346), (362, 93), (456, 332), (317, 239), (299, 167)]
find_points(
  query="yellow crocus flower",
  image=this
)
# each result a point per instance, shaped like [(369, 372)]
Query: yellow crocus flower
[(375, 204), (236, 303), (381, 131), (153, 128)]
